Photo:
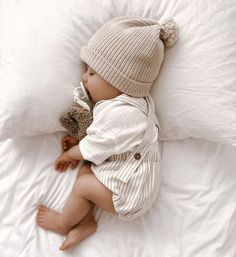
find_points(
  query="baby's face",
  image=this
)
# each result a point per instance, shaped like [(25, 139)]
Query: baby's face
[(98, 89)]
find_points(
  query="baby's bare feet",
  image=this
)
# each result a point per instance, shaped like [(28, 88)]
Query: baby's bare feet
[(78, 233), (49, 220)]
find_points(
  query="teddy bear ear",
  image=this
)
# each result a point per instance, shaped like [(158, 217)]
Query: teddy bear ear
[(76, 120), (67, 121)]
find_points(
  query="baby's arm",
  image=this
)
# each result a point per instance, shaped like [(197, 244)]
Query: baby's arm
[(70, 157), (75, 153)]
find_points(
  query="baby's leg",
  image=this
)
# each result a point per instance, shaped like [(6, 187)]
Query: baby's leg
[(87, 226), (82, 230), (87, 189), (45, 215)]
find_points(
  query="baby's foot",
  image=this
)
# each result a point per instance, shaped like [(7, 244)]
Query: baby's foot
[(49, 220), (78, 233)]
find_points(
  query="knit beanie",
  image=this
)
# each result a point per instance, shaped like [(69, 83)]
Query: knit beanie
[(128, 52)]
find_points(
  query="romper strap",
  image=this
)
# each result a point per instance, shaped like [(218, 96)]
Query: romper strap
[(133, 161), (142, 107)]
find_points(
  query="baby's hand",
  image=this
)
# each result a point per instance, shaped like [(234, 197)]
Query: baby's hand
[(64, 161), (67, 142)]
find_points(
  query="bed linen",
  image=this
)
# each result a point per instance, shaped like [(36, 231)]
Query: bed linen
[(194, 215)]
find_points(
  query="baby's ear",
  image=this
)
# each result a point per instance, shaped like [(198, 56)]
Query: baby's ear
[(76, 120)]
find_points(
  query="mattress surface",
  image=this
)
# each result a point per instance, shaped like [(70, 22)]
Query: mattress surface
[(194, 215)]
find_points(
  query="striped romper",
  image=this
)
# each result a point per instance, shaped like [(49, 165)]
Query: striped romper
[(122, 144)]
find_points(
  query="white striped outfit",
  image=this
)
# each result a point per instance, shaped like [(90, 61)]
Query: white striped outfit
[(122, 144)]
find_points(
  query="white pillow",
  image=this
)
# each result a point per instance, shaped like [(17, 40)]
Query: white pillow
[(39, 66), (196, 90), (40, 43)]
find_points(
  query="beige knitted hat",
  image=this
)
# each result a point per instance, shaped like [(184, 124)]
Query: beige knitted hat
[(128, 52)]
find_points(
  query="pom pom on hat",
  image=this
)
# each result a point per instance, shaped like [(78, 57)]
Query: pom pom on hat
[(169, 32)]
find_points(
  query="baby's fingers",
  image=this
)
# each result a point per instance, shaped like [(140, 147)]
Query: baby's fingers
[(59, 165), (65, 166), (56, 166), (74, 164), (64, 146)]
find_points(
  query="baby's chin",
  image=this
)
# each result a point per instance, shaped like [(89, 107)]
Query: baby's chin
[(97, 99), (94, 101)]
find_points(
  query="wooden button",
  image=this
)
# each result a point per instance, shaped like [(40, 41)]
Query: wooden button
[(137, 156)]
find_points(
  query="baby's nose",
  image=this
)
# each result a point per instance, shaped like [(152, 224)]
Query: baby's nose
[(84, 77)]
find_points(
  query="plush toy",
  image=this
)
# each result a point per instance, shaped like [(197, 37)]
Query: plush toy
[(78, 117)]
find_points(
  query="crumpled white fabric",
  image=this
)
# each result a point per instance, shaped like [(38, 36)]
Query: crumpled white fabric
[(194, 215)]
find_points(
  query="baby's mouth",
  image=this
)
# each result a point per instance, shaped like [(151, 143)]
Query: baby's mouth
[(88, 93)]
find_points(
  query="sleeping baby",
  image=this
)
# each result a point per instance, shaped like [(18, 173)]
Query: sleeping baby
[(120, 173)]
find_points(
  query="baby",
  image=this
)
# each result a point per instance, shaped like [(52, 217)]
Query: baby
[(120, 173)]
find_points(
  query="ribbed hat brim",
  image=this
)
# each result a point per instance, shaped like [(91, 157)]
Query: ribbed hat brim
[(112, 75)]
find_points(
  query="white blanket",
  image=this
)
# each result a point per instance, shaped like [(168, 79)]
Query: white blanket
[(194, 216)]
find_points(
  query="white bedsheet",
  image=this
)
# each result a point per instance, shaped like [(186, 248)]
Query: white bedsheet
[(194, 216)]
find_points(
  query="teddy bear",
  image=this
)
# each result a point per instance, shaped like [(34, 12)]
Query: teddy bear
[(78, 117)]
